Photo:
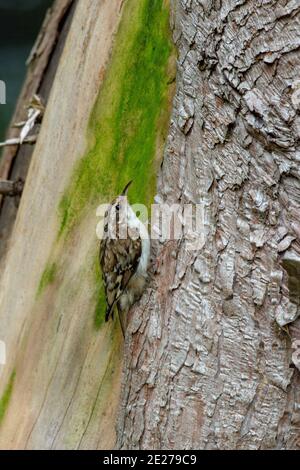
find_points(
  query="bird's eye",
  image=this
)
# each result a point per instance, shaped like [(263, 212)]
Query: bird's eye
[(117, 207), (106, 214)]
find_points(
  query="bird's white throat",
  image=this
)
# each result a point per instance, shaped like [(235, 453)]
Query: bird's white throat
[(134, 223)]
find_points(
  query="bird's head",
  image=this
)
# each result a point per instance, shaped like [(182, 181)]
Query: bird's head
[(117, 212), (120, 203)]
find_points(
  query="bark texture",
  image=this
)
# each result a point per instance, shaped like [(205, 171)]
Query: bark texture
[(208, 364)]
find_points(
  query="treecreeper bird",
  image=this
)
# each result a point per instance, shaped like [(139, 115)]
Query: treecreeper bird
[(124, 257)]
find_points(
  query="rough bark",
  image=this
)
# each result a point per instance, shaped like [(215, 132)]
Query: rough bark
[(207, 365)]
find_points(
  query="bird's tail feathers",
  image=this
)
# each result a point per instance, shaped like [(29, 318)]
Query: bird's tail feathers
[(110, 312), (121, 318)]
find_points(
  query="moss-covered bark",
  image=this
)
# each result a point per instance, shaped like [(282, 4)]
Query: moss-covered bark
[(4, 400), (127, 127), (129, 117)]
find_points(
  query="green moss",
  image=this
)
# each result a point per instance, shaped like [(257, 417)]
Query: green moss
[(129, 118), (4, 400), (47, 278)]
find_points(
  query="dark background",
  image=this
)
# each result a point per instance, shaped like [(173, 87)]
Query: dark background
[(20, 22)]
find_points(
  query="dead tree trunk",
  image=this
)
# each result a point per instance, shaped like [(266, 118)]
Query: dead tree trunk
[(42, 64), (209, 360)]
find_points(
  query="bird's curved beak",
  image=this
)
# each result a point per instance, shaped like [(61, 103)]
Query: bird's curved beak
[(125, 190)]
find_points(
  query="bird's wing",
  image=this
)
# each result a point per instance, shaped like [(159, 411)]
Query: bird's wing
[(118, 260)]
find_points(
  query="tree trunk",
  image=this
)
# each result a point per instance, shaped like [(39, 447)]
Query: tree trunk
[(42, 64), (59, 386), (208, 361)]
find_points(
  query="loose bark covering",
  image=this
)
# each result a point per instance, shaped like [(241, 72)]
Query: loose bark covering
[(207, 365)]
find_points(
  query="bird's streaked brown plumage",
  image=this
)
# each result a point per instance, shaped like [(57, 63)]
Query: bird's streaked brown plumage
[(124, 253), (119, 259)]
